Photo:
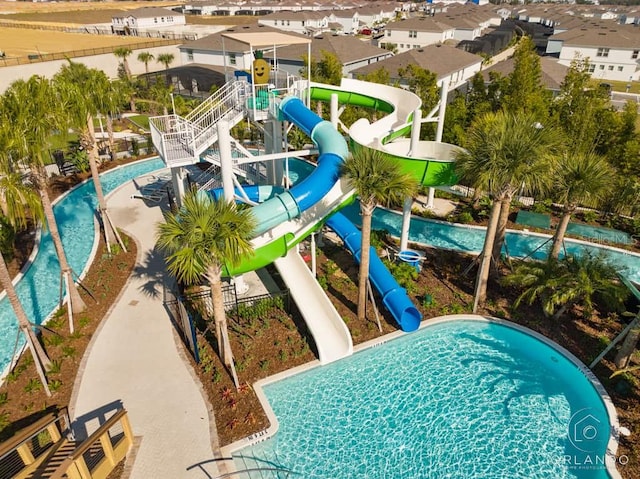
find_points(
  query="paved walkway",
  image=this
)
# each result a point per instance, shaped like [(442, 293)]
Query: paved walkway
[(134, 362)]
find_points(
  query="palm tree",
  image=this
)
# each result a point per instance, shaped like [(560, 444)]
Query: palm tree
[(505, 153), (34, 112), (573, 280), (112, 102), (579, 178), (145, 57), (83, 90), (377, 179), (166, 59), (18, 201), (199, 239), (123, 53)]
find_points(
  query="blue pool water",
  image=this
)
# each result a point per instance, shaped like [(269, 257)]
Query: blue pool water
[(460, 399), (440, 234), (38, 289)]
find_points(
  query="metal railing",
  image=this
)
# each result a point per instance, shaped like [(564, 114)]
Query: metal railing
[(180, 141)]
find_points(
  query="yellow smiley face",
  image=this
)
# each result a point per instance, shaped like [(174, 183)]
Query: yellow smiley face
[(260, 71)]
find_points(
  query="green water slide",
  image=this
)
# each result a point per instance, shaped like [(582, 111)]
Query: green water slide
[(432, 165)]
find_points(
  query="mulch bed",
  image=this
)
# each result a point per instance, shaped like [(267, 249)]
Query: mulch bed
[(279, 340)]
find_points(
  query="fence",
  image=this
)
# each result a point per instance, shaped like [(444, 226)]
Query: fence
[(47, 57)]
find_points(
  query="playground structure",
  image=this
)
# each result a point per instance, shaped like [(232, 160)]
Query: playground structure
[(287, 214)]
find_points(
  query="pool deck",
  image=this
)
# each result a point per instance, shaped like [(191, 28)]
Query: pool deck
[(135, 361)]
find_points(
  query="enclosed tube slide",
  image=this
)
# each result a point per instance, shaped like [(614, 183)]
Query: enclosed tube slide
[(332, 152), (394, 297)]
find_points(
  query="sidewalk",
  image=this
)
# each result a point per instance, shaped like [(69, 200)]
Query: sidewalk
[(135, 361)]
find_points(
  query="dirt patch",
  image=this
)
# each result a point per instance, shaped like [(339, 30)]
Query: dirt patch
[(20, 42)]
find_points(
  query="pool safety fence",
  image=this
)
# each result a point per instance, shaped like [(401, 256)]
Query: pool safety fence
[(195, 309)]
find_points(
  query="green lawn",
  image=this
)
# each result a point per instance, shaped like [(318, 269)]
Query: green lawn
[(141, 121), (621, 86)]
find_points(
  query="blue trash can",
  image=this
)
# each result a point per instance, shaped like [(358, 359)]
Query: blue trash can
[(411, 257)]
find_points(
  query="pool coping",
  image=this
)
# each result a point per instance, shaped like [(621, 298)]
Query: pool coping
[(270, 431)]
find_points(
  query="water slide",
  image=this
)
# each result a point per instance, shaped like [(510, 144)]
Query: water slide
[(286, 218), (394, 297)]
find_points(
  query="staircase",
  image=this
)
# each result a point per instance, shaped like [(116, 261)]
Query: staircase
[(180, 140)]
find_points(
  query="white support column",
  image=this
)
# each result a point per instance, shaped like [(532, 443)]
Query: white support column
[(444, 92), (334, 110), (415, 132), (178, 179), (313, 254), (226, 159), (406, 222), (431, 197)]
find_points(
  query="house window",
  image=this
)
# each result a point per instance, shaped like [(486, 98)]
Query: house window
[(232, 58), (416, 46), (388, 33), (620, 69), (601, 67), (190, 55), (592, 68), (413, 34), (288, 23), (602, 52), (610, 68), (303, 23), (155, 20), (635, 54), (162, 19)]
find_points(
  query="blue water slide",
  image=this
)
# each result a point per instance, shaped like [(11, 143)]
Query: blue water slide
[(393, 295), (333, 150), (255, 193)]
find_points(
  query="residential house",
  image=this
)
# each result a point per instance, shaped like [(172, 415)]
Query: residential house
[(344, 21), (352, 52), (416, 33), (553, 72), (446, 62), (613, 50), (135, 22), (220, 51), (224, 52), (306, 22)]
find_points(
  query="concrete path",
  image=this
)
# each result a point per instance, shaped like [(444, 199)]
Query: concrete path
[(135, 362)]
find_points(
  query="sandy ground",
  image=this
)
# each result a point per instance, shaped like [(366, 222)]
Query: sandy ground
[(22, 7), (21, 42)]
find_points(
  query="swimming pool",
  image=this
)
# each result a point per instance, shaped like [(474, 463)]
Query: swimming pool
[(464, 399), (38, 289), (470, 239)]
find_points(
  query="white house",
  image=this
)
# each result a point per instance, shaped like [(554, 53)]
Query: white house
[(135, 22), (352, 53), (305, 22), (457, 66), (222, 51), (416, 33), (613, 51), (349, 20)]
